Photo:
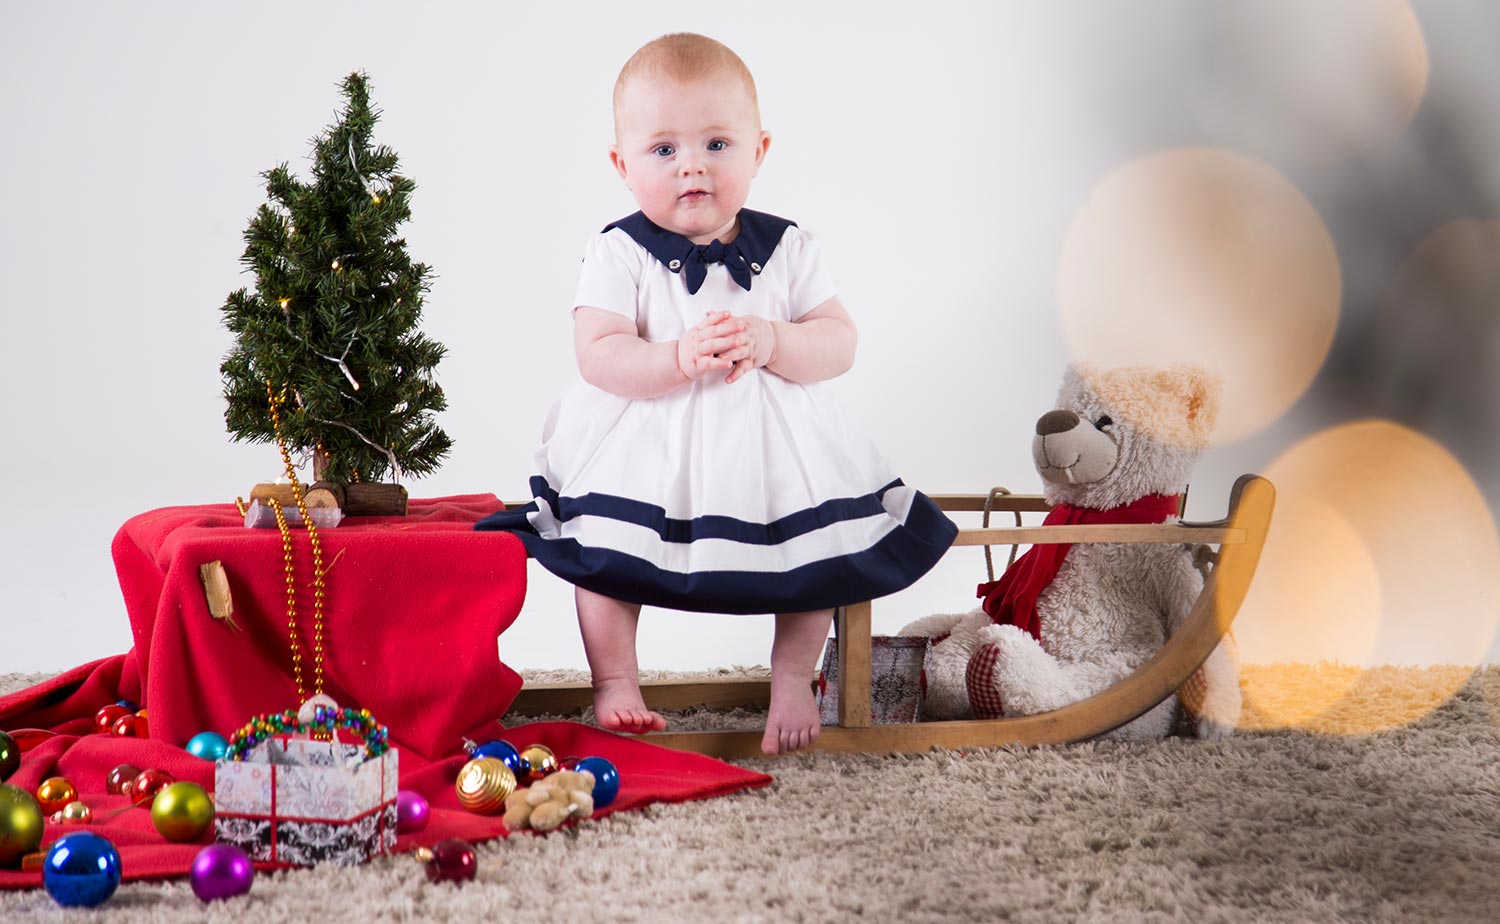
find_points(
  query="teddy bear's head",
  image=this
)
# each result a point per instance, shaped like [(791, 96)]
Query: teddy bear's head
[(1122, 433)]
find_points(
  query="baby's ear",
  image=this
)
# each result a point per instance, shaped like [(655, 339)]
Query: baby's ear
[(762, 145), (616, 158)]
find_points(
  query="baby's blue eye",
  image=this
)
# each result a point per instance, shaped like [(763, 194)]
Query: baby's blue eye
[(664, 150), (718, 144)]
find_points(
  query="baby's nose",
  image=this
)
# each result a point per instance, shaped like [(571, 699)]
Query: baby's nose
[(689, 165)]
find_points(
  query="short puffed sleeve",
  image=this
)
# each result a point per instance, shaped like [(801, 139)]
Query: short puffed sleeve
[(611, 276), (809, 283)]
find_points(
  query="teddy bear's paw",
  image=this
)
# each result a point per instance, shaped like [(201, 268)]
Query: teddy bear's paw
[(980, 681), (935, 626), (1016, 643), (1210, 730), (1212, 702)]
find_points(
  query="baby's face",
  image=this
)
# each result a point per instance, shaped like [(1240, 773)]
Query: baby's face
[(688, 151)]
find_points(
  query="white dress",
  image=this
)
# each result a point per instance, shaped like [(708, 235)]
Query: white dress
[(750, 497)]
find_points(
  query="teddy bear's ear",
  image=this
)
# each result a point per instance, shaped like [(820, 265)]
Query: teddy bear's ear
[(1200, 390)]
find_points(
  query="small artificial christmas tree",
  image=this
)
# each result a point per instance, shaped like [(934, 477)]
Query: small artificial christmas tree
[(330, 327)]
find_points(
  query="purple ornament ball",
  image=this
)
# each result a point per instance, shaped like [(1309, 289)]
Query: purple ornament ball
[(221, 871), (412, 812)]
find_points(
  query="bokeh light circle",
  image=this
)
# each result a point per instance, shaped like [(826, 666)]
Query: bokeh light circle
[(1207, 256), (1434, 343), (1315, 598), (1316, 82), (1429, 542)]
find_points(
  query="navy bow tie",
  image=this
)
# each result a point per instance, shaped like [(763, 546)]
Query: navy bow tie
[(695, 267)]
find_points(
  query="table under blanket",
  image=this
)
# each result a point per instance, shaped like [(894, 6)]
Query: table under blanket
[(414, 608)]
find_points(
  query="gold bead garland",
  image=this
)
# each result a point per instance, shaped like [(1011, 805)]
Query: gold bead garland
[(317, 557)]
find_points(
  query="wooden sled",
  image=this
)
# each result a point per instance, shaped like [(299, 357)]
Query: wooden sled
[(1238, 540)]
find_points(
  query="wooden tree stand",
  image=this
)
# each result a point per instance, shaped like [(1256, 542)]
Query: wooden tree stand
[(1238, 539), (358, 499)]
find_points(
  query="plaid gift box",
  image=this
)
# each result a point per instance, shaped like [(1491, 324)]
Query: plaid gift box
[(298, 802), (896, 663)]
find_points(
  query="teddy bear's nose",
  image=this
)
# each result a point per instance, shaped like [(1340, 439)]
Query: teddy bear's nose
[(1056, 422)]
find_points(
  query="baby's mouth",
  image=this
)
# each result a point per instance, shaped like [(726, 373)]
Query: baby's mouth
[(693, 195)]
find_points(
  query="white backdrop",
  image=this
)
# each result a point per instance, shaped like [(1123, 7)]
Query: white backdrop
[(940, 149)]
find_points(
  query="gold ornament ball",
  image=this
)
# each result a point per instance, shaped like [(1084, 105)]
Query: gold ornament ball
[(541, 760), (54, 793), (21, 825), (483, 784), (182, 812)]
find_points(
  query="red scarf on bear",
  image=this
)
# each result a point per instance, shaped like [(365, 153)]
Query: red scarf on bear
[(1012, 599)]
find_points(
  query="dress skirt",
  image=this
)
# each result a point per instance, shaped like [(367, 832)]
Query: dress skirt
[(749, 497)]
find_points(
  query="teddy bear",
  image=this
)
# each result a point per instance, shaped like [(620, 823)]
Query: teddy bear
[(551, 801), (1067, 621)]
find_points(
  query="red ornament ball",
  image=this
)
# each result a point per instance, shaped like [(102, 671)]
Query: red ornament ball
[(119, 779), (150, 782), (105, 718), (127, 726), (452, 860)]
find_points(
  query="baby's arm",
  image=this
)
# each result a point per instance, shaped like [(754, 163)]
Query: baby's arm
[(612, 356), (815, 347)]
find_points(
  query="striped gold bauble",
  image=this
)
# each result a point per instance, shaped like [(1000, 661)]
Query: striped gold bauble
[(483, 784)]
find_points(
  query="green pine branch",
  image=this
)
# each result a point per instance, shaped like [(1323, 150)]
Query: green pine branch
[(331, 322)]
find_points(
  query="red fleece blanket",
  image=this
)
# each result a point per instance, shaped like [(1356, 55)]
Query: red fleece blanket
[(414, 607)]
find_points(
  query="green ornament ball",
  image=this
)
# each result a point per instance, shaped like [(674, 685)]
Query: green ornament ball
[(182, 812), (20, 825), (10, 756)]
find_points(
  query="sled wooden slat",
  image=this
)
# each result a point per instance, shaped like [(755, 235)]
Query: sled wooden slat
[(713, 692), (1003, 503), (1240, 537), (852, 623), (1113, 532)]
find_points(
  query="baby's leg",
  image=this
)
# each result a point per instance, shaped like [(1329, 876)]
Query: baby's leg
[(793, 720), (608, 627)]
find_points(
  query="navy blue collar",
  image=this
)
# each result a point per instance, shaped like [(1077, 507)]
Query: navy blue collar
[(744, 257)]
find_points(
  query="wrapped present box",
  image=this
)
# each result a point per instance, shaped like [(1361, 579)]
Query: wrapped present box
[(299, 802), (896, 663)]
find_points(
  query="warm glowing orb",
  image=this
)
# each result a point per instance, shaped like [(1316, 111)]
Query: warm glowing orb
[(1382, 552), (1316, 81), (1202, 255)]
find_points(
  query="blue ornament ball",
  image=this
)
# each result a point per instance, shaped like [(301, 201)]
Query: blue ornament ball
[(507, 754), (207, 745), (128, 704), (81, 870), (606, 779)]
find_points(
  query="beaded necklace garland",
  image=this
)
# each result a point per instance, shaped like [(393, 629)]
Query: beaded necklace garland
[(286, 548), (324, 721)]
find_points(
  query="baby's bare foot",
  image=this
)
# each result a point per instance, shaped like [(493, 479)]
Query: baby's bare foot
[(793, 722), (619, 707)]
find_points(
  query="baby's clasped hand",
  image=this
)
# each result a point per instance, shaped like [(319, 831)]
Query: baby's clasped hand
[(757, 347), (698, 349), (726, 341)]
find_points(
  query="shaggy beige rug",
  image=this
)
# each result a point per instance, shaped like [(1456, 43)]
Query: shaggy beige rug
[(1382, 804)]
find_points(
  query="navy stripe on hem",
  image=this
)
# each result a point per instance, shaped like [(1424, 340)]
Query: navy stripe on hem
[(895, 562), (713, 526)]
